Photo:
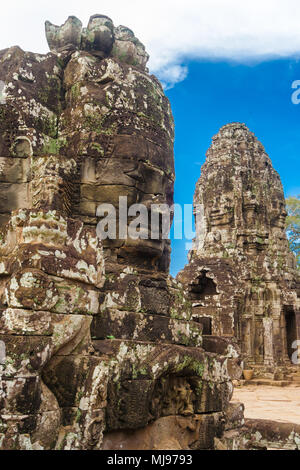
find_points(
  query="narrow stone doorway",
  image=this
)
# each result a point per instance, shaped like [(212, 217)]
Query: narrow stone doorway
[(206, 322), (290, 329)]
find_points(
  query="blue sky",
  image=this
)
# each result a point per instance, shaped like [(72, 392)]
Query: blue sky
[(215, 93)]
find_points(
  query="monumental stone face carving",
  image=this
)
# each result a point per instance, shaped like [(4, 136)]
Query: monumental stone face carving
[(98, 337), (242, 276)]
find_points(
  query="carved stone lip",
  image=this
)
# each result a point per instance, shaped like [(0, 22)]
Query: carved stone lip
[(280, 221), (250, 205), (219, 216)]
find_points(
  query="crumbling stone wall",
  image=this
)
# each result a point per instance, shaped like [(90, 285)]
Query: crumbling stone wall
[(98, 338), (242, 276)]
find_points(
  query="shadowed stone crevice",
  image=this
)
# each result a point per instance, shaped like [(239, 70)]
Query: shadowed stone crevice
[(202, 287)]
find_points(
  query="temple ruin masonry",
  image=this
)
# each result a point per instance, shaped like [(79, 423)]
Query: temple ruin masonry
[(100, 347)]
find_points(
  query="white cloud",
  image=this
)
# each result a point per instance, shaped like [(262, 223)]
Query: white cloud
[(170, 74), (174, 31)]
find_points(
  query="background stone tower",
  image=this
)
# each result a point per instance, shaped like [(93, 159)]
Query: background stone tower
[(242, 276)]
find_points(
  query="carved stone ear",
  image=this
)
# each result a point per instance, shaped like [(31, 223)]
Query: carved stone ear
[(127, 48), (52, 183)]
